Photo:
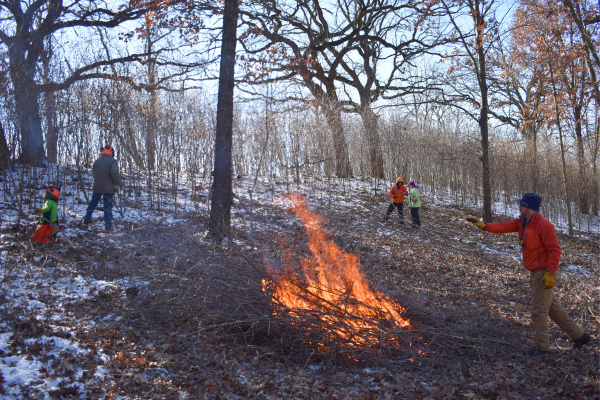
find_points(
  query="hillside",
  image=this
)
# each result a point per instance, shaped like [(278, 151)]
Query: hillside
[(157, 310)]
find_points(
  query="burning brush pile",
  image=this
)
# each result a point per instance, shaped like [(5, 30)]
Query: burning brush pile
[(326, 302)]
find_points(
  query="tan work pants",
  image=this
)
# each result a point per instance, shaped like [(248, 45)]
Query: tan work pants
[(544, 305)]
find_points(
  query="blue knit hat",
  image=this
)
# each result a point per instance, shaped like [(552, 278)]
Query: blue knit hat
[(531, 200)]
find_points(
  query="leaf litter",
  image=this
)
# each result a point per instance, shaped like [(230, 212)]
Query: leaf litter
[(156, 310)]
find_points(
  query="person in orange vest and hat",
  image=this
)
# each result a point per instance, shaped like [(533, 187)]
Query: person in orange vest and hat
[(107, 182), (541, 255), (48, 224), (397, 193)]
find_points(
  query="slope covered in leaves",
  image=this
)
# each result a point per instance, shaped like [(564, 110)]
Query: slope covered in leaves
[(113, 316)]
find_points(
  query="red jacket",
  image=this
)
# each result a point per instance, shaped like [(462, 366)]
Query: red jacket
[(399, 193), (540, 245)]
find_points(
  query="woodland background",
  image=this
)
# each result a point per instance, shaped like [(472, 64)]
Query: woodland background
[(481, 99)]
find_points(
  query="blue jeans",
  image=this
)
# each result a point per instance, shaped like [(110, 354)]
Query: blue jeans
[(108, 205)]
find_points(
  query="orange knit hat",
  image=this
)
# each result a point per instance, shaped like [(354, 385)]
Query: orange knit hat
[(108, 150)]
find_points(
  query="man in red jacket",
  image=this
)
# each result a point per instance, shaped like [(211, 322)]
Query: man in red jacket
[(541, 253)]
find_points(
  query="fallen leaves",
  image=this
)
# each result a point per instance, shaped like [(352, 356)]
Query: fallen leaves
[(471, 303)]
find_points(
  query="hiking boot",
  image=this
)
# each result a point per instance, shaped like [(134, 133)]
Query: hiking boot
[(108, 228), (584, 339), (534, 351)]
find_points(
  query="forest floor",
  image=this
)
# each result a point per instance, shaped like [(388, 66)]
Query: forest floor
[(98, 316)]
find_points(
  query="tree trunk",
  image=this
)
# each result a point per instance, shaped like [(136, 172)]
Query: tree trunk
[(151, 133), (562, 154), (369, 120), (51, 131), (342, 161), (530, 136), (564, 168), (22, 64), (596, 189), (4, 154), (29, 123), (152, 119), (328, 103), (123, 129), (220, 208), (584, 203), (483, 116), (596, 175), (49, 105), (485, 164)]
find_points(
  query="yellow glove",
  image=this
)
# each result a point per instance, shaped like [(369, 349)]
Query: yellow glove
[(548, 280), (39, 210), (477, 222)]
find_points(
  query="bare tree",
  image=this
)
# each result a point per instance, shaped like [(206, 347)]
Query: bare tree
[(345, 46), (470, 59), (220, 208), (26, 27)]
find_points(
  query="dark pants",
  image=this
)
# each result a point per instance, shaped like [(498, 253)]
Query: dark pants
[(414, 212), (108, 205), (398, 206)]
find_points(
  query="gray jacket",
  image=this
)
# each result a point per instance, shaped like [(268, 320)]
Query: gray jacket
[(106, 174)]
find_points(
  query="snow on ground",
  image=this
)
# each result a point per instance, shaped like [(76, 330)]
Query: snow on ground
[(500, 253), (36, 291), (574, 269), (39, 293)]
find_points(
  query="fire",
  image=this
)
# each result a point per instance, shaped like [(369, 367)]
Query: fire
[(333, 291)]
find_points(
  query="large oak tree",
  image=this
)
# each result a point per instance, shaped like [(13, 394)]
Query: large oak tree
[(350, 55), (25, 27)]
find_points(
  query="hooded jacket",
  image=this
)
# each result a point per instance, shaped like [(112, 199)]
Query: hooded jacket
[(540, 244), (414, 197), (106, 174), (399, 193)]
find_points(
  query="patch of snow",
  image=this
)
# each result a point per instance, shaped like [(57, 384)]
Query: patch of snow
[(44, 293), (500, 253), (574, 269)]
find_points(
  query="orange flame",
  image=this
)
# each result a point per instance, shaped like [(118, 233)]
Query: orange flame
[(333, 289)]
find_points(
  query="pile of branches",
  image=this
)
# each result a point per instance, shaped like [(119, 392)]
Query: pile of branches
[(337, 325), (225, 293), (234, 299)]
